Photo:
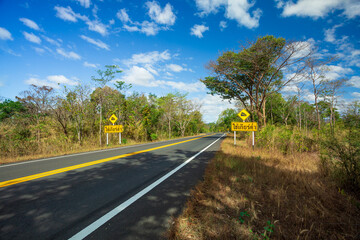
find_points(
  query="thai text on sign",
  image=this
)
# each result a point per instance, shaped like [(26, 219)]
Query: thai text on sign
[(244, 126), (113, 128)]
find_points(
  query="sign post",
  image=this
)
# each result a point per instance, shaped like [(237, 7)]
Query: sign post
[(244, 126), (114, 129), (112, 119)]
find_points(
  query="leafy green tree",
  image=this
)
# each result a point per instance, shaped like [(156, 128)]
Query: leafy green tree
[(169, 105), (256, 71), (9, 108), (184, 112), (225, 118), (103, 78)]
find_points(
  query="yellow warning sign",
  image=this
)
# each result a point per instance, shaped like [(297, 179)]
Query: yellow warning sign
[(113, 118), (113, 128), (243, 114), (244, 126)]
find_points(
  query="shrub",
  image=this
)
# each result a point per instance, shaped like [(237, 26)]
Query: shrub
[(287, 139), (341, 156), (124, 141), (153, 136)]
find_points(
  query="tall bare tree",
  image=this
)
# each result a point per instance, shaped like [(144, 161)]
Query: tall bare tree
[(38, 101), (331, 93), (316, 72)]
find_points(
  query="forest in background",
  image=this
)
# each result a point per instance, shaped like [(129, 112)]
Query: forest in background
[(43, 121)]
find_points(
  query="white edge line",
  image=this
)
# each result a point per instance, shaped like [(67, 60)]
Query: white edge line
[(98, 223), (84, 153)]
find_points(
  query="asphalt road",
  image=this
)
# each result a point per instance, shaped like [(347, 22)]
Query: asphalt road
[(131, 196)]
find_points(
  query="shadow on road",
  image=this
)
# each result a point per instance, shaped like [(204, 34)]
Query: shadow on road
[(59, 206)]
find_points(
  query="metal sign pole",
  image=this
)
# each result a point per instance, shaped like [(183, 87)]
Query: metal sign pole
[(253, 140), (107, 139), (120, 138), (234, 138)]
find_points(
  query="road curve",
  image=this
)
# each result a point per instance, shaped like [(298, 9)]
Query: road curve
[(124, 193)]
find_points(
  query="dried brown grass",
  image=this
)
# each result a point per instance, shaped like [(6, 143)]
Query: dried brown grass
[(52, 147), (288, 191)]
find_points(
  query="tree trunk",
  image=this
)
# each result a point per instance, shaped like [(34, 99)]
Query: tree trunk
[(264, 112), (317, 113), (100, 122), (169, 129)]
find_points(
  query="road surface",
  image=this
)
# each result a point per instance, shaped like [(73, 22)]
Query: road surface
[(125, 193)]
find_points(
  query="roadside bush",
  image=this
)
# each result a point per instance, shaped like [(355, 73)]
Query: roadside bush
[(287, 139), (153, 136), (124, 141), (341, 158)]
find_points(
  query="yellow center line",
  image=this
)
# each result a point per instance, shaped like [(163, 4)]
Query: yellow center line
[(65, 169)]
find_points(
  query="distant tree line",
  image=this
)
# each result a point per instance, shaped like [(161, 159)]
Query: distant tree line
[(42, 120)]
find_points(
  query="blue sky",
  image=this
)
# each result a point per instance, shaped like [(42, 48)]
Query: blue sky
[(163, 46)]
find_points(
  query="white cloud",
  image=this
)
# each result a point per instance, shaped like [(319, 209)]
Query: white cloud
[(336, 72), (53, 81), (123, 16), (149, 28), (142, 77), (212, 106), (86, 64), (139, 76), (355, 81), (30, 23), (320, 8), (85, 3), (356, 94), (98, 43), (209, 6), (150, 68), (66, 14), (52, 41), (32, 37), (39, 50), (239, 10), (95, 11), (162, 16), (98, 27), (222, 25), (303, 48), (5, 34), (70, 55), (198, 30), (330, 34), (148, 58), (61, 79), (234, 9), (185, 87), (290, 89), (175, 67)]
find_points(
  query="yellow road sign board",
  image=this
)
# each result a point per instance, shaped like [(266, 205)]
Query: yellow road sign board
[(244, 126), (243, 114), (113, 118), (113, 128)]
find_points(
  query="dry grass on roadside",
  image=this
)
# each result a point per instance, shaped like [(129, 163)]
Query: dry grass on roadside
[(54, 147), (266, 195)]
